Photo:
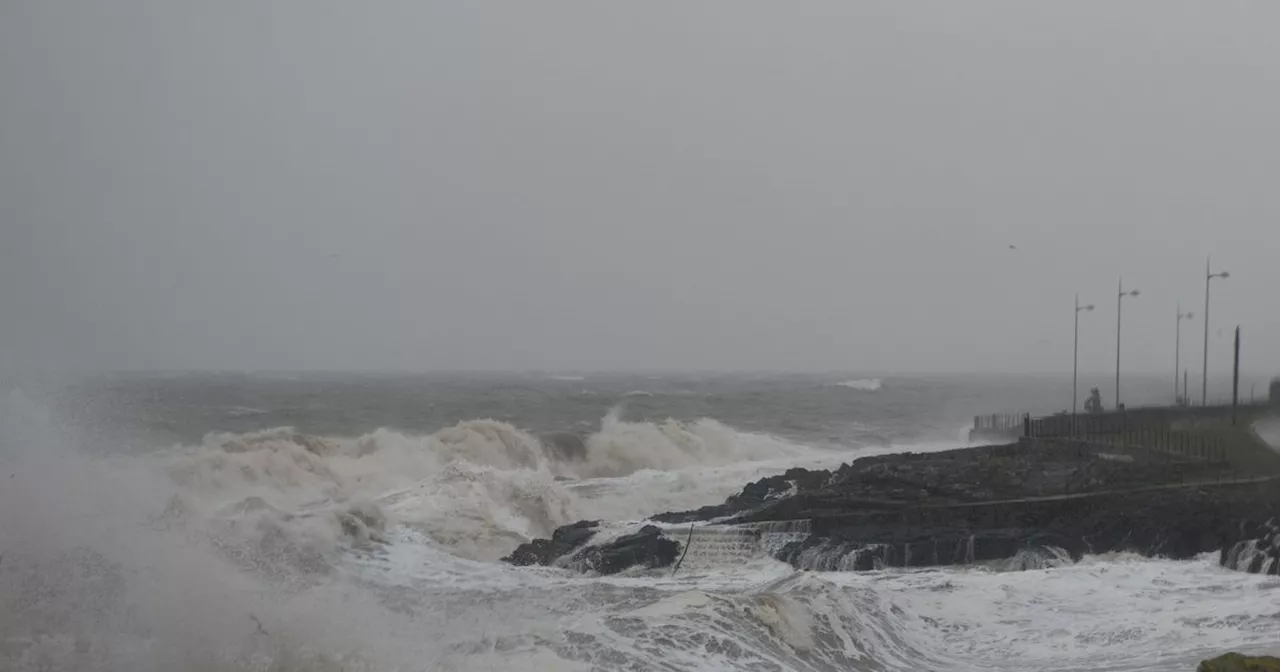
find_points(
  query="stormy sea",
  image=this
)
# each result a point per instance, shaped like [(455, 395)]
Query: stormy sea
[(357, 522)]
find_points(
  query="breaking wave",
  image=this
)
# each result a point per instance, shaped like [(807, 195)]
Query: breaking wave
[(479, 488), (262, 551)]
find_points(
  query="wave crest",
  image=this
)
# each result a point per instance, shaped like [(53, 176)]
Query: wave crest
[(479, 488)]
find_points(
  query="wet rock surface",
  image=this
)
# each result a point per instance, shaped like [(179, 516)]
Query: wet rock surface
[(1234, 662), (754, 495), (1257, 549), (564, 540), (647, 548)]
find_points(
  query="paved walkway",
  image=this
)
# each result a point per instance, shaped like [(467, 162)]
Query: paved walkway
[(900, 506), (1106, 493)]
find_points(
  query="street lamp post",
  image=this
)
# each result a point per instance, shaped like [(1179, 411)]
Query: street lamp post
[(1075, 366), (1177, 353), (1119, 303), (1204, 377)]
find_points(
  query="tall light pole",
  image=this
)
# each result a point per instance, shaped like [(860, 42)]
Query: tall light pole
[(1177, 353), (1119, 303), (1204, 378), (1075, 366)]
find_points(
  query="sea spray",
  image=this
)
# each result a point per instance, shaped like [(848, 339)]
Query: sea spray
[(98, 575), (480, 487)]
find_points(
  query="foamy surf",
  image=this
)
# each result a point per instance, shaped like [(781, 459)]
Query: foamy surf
[(281, 551), (764, 614), (481, 487)]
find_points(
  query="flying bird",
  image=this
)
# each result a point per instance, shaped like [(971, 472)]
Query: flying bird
[(1013, 247)]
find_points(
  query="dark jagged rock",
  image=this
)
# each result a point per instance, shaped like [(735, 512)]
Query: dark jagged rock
[(921, 548), (564, 540), (955, 476), (1257, 551), (1234, 662), (1027, 500), (755, 495), (646, 548), (1031, 504)]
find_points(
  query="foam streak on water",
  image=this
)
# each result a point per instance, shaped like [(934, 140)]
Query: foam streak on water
[(1113, 613)]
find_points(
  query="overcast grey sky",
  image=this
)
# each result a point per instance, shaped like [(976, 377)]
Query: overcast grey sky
[(710, 185)]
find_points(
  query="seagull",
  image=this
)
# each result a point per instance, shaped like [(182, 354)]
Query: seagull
[(261, 630)]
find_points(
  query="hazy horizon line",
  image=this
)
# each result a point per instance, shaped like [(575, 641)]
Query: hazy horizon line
[(86, 372)]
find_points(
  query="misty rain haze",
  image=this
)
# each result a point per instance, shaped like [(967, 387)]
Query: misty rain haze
[(512, 336)]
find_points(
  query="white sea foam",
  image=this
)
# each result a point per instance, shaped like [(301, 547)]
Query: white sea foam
[(1100, 614), (481, 487), (100, 570), (278, 551)]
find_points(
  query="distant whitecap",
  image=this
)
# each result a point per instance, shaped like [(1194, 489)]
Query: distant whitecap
[(862, 384)]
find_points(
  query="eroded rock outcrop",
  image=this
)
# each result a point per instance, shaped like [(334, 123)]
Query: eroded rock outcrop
[(1028, 504), (1235, 662), (1257, 550), (646, 547), (564, 540)]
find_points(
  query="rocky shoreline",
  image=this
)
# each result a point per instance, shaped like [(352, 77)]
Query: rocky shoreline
[(1016, 503)]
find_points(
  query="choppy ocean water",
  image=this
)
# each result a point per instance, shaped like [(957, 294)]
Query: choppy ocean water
[(338, 521)]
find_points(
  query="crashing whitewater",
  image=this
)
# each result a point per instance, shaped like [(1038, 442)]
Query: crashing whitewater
[(281, 551)]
